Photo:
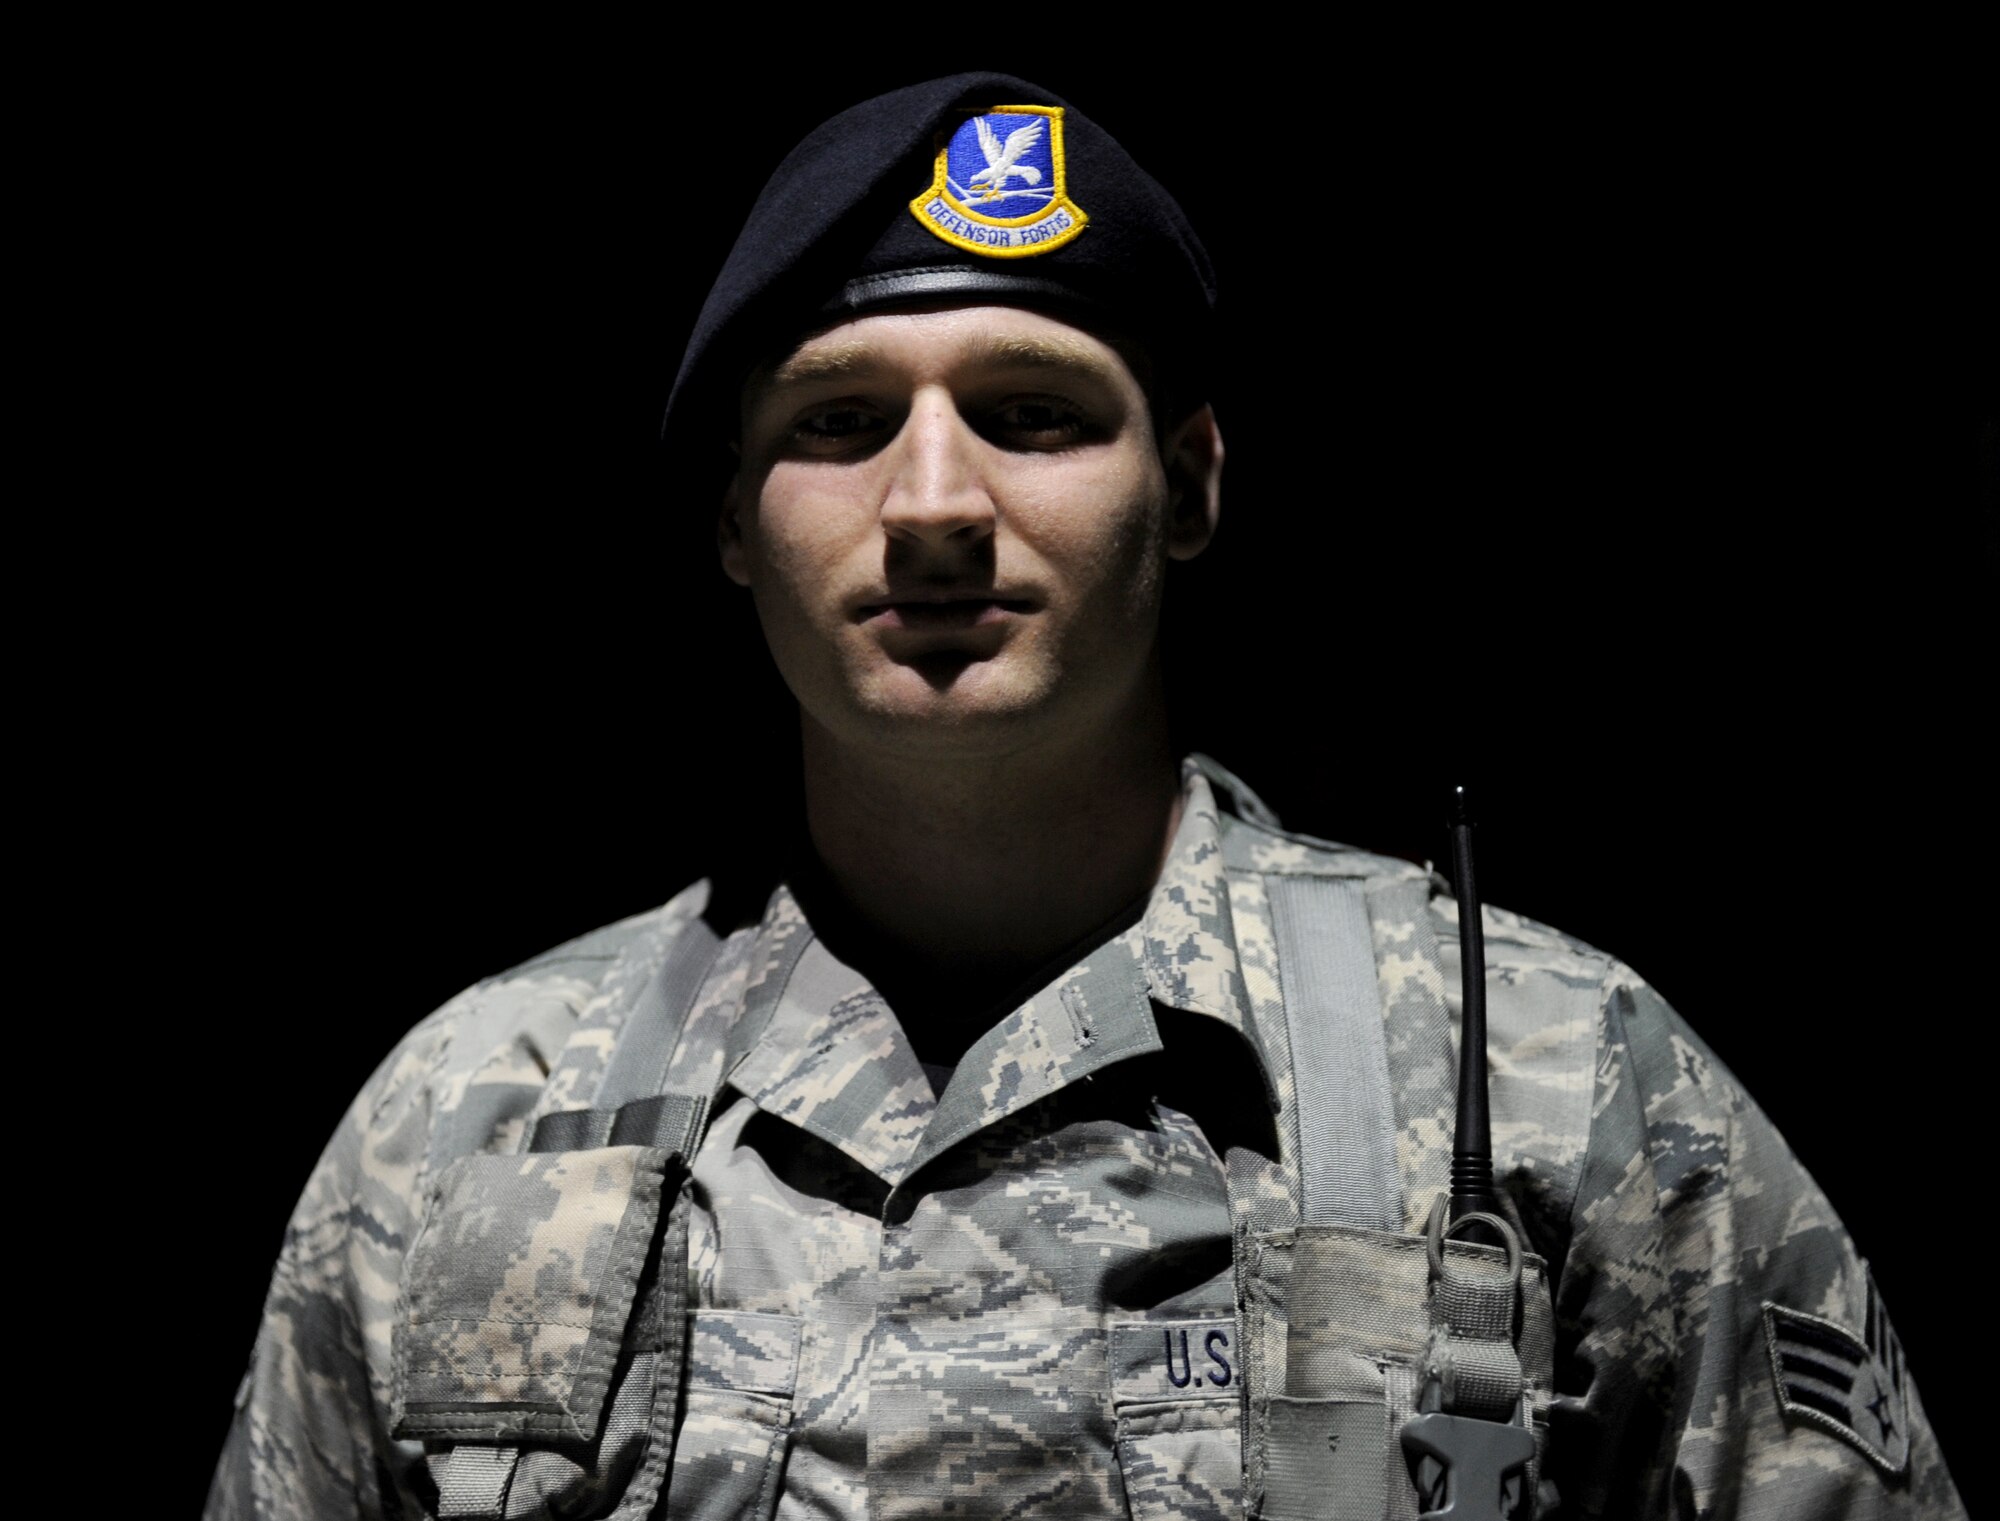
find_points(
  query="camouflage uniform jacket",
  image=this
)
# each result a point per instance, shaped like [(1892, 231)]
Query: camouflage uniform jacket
[(1038, 1292)]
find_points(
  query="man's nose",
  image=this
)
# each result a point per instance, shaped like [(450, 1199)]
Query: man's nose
[(937, 493)]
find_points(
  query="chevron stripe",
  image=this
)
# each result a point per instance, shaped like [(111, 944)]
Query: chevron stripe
[(1850, 1385)]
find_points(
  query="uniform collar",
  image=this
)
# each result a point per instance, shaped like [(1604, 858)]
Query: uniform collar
[(821, 1049), (1189, 930), (833, 1060)]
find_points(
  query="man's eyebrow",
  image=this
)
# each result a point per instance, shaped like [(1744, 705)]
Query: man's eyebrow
[(826, 362), (839, 361), (1037, 353)]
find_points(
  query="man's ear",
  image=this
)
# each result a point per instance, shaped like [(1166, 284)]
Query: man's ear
[(729, 536), (1193, 457)]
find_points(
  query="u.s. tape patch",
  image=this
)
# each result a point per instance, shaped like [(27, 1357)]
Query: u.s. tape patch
[(1000, 187), (1855, 1387)]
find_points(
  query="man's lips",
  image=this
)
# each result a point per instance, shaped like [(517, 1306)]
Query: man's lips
[(927, 612)]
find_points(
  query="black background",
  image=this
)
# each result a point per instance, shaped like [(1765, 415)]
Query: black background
[(1607, 433)]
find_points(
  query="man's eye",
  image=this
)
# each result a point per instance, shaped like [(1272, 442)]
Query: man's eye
[(832, 428), (1040, 420)]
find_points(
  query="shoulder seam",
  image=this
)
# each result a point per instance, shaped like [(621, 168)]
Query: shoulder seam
[(1346, 860)]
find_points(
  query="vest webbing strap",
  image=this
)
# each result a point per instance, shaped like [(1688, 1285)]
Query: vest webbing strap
[(652, 1028), (671, 1121), (1340, 1059), (629, 1110), (474, 1481)]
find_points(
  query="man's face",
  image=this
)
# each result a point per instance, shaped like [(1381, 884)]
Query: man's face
[(955, 526)]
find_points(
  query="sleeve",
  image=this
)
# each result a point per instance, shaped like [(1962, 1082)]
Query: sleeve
[(310, 1435), (1723, 1352)]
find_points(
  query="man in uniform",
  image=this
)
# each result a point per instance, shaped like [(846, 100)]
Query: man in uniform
[(1059, 1136)]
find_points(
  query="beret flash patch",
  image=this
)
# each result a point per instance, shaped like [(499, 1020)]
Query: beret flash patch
[(1854, 1387), (999, 188)]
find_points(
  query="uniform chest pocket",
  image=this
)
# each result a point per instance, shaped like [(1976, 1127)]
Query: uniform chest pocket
[(1336, 1322), (1178, 1398), (537, 1345), (729, 1458)]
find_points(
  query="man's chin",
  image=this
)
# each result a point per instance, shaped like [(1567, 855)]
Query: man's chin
[(965, 676), (953, 698)]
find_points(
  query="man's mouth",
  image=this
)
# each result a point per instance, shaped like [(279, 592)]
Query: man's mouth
[(929, 614)]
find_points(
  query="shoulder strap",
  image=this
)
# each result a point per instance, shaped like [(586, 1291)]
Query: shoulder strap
[(629, 1108), (1340, 1065), (638, 1065), (476, 1480)]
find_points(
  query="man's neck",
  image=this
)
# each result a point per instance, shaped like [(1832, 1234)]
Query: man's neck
[(959, 877)]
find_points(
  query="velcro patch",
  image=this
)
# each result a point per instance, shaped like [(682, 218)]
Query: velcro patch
[(1855, 1387), (1000, 187), (1173, 1359)]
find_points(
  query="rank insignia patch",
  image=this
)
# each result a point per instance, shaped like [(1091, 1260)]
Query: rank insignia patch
[(1854, 1387), (999, 187)]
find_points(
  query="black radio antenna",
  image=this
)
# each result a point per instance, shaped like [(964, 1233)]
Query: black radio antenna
[(1472, 1145)]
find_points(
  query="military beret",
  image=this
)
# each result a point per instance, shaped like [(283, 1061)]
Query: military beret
[(979, 187)]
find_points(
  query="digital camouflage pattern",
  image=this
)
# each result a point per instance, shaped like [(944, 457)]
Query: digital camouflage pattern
[(742, 1374), (1020, 1296), (519, 1289)]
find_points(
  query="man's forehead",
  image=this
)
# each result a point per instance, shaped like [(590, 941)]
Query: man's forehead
[(955, 338)]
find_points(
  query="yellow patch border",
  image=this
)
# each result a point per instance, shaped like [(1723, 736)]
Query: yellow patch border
[(940, 189)]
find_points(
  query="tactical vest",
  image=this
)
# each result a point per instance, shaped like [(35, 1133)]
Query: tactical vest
[(1356, 1315)]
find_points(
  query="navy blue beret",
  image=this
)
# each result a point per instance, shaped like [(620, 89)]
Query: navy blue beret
[(980, 187)]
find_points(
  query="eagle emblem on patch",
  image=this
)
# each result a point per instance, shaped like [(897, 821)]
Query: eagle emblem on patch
[(1000, 187), (1853, 1386)]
